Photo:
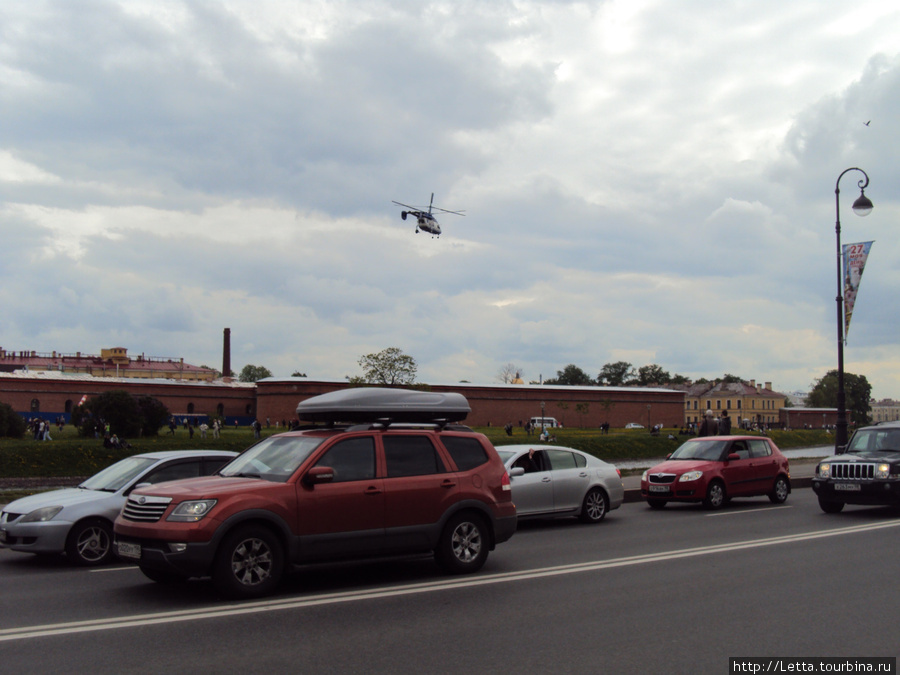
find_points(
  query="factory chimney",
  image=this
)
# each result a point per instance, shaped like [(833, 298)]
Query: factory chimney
[(226, 354)]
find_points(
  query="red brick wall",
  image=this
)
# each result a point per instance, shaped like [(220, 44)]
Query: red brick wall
[(52, 394), (571, 406), (277, 400)]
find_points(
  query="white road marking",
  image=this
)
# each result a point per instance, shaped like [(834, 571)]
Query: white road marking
[(738, 513), (26, 632)]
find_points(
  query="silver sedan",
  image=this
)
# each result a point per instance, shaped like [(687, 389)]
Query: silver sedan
[(78, 521), (549, 480)]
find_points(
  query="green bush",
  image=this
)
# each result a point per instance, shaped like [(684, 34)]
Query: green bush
[(12, 424), (69, 454), (154, 413)]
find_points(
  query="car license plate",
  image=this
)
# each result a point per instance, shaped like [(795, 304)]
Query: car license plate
[(847, 487), (128, 550), (659, 488)]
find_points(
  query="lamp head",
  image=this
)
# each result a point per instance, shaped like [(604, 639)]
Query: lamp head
[(863, 205)]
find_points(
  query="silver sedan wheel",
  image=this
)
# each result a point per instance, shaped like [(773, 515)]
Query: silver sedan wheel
[(90, 543), (594, 507)]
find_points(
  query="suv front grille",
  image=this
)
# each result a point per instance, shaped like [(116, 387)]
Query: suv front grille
[(145, 509), (853, 470)]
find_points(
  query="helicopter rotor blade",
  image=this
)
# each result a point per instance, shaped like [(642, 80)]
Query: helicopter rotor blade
[(455, 213)]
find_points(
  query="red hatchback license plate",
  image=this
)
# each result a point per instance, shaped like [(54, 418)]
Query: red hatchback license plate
[(659, 488)]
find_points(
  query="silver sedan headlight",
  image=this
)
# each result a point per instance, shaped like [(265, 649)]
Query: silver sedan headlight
[(191, 512), (689, 476), (42, 515)]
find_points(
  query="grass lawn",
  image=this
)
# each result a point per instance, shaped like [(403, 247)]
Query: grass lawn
[(71, 455)]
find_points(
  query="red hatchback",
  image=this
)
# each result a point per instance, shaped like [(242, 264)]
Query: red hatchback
[(714, 469)]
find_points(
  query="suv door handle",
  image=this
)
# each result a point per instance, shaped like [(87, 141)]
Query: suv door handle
[(447, 483)]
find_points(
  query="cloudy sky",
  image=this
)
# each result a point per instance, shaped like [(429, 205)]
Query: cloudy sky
[(643, 181)]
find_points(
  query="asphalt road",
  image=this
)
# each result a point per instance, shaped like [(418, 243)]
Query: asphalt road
[(673, 591)]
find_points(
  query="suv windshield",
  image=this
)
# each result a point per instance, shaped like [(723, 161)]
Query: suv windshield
[(875, 439), (274, 459), (114, 477), (708, 450)]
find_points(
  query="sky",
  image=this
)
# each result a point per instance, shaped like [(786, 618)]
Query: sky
[(643, 181)]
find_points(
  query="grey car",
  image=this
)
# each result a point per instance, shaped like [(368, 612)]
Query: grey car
[(549, 480), (78, 521)]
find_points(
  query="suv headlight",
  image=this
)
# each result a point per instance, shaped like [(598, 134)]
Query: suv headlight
[(42, 515), (191, 512), (824, 470), (689, 476), (882, 470)]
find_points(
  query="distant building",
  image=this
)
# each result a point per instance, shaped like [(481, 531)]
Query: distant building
[(112, 362), (52, 395), (746, 402), (886, 410)]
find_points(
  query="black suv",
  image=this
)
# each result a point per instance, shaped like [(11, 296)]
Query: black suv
[(867, 472)]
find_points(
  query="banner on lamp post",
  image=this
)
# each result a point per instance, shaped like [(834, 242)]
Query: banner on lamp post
[(854, 259)]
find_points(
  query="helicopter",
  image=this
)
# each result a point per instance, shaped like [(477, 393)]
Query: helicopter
[(424, 219)]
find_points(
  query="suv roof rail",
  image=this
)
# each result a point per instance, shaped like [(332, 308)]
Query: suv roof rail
[(387, 423)]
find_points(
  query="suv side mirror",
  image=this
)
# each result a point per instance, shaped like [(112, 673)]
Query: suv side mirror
[(318, 474)]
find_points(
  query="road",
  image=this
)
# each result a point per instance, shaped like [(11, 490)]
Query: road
[(674, 591)]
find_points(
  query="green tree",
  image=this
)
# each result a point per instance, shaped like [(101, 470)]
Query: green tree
[(251, 373), (117, 408), (616, 374), (732, 379), (12, 424), (652, 374), (857, 391), (154, 414), (389, 367), (571, 375)]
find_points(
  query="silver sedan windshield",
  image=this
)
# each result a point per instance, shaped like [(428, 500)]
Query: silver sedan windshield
[(117, 476)]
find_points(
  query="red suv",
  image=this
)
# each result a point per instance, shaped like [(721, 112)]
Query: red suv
[(330, 492)]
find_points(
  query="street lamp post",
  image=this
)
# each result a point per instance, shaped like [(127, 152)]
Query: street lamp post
[(861, 207), (648, 415)]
